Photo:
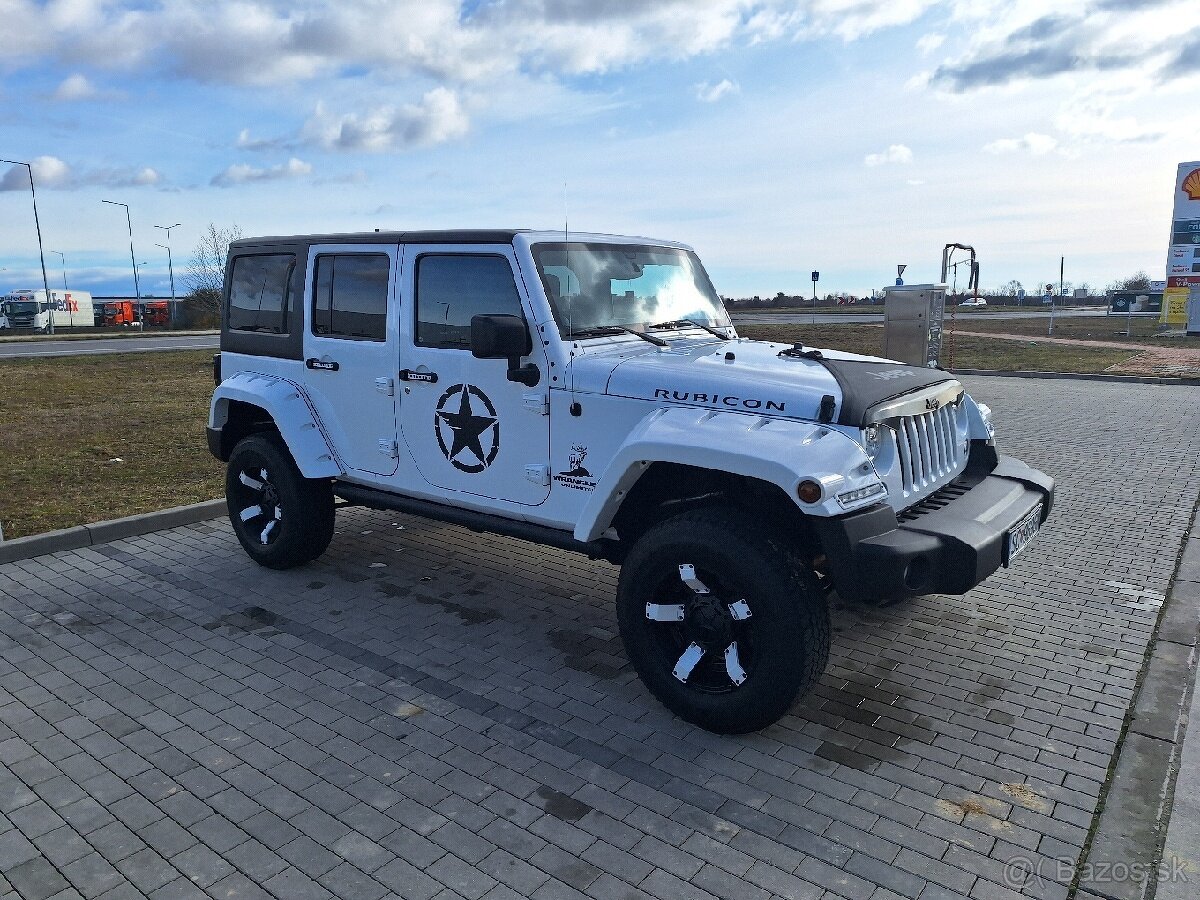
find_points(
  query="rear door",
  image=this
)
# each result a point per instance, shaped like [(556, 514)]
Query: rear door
[(350, 351), (466, 425)]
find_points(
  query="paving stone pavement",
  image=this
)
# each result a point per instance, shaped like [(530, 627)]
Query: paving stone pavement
[(426, 712)]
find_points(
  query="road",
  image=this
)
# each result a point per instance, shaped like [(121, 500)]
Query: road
[(857, 318), (146, 344)]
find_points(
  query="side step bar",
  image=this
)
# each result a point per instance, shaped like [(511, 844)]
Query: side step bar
[(360, 495)]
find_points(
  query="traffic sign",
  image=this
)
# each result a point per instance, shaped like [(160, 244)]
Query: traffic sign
[(816, 276)]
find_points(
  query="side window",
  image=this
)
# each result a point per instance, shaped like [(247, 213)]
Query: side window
[(350, 296), (258, 293), (451, 288)]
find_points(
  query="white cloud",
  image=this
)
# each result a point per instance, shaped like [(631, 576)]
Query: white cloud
[(437, 118), (75, 87), (247, 142), (930, 42), (896, 153), (267, 42), (240, 173), (711, 93), (50, 172), (146, 177), (853, 19), (1034, 143)]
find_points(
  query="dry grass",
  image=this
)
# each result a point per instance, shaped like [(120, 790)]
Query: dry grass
[(64, 423), (1086, 328), (961, 352)]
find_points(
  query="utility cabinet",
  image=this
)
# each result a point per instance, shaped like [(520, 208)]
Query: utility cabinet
[(912, 323)]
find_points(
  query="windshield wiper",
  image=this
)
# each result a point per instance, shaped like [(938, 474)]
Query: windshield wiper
[(598, 330), (679, 323)]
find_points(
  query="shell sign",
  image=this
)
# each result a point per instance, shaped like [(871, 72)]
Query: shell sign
[(1183, 252), (1191, 184)]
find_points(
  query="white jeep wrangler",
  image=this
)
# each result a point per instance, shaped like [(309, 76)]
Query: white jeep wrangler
[(590, 393)]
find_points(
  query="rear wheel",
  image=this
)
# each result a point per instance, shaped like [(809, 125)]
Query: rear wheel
[(723, 624), (281, 518)]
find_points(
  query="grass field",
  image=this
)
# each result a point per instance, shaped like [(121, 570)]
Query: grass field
[(98, 437), (89, 438), (961, 351), (1090, 328)]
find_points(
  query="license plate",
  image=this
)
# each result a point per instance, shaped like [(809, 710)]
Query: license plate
[(1022, 534)]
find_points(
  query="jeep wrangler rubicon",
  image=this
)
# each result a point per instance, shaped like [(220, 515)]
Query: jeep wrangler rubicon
[(591, 394)]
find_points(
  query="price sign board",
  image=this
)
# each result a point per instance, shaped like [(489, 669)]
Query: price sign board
[(1185, 240)]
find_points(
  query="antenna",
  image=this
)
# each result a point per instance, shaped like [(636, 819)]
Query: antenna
[(575, 408)]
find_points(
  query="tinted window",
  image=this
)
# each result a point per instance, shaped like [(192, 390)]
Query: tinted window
[(350, 296), (258, 293), (453, 288)]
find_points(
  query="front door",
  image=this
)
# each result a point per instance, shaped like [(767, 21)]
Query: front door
[(466, 425), (350, 350)]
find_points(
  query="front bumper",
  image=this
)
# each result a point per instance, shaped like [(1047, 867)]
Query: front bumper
[(946, 544)]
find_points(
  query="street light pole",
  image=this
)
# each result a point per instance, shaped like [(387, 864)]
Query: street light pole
[(61, 255), (171, 269), (70, 315), (38, 225), (137, 291)]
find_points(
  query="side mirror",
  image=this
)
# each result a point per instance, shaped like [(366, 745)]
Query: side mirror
[(505, 337), (499, 337)]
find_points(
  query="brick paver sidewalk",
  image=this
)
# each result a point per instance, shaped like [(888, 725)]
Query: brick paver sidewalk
[(430, 713)]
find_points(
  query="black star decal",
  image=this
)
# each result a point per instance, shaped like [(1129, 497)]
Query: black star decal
[(467, 428)]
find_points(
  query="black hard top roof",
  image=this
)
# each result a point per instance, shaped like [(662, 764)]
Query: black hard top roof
[(462, 236)]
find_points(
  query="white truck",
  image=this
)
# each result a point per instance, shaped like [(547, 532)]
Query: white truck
[(590, 393), (32, 310)]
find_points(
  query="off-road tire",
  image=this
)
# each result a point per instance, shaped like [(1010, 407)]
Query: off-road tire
[(304, 526), (783, 644)]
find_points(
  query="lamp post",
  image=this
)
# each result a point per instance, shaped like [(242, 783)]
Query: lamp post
[(70, 315), (38, 225), (62, 256), (171, 269), (137, 291)]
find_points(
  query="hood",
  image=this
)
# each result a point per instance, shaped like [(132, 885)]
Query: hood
[(750, 376)]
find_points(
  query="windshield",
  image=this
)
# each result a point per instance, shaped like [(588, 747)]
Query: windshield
[(21, 307), (602, 285)]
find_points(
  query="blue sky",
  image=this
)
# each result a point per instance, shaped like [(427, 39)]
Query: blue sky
[(776, 137)]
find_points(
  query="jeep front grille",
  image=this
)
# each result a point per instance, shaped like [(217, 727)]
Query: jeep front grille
[(928, 448)]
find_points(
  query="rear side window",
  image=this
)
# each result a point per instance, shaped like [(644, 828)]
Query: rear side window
[(258, 293), (453, 288), (350, 296)]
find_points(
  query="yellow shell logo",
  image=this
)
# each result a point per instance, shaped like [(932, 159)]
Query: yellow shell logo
[(1191, 185)]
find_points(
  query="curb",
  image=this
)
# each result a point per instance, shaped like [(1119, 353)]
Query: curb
[(80, 536), (1082, 376), (100, 336), (1131, 824)]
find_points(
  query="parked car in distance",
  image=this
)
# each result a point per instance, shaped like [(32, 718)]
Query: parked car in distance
[(973, 301)]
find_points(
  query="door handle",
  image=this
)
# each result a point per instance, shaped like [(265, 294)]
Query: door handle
[(412, 375), (324, 365)]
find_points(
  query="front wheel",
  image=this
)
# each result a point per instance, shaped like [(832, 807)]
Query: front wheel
[(281, 518), (722, 623)]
